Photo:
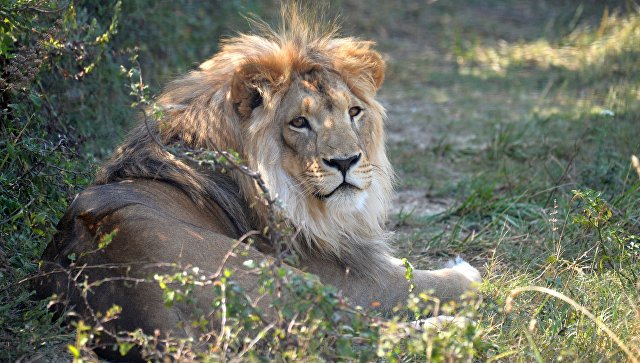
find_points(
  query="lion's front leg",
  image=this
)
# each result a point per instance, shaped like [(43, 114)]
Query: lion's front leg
[(392, 288), (449, 283)]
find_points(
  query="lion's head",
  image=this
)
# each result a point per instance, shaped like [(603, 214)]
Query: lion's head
[(299, 106)]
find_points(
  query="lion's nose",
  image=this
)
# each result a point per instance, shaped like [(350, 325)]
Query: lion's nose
[(343, 164)]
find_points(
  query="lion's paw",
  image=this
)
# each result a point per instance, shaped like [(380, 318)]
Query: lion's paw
[(468, 271), (442, 321)]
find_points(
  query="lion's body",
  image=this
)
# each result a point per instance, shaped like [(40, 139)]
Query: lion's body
[(300, 108)]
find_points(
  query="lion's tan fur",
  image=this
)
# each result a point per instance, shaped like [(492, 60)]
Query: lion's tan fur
[(207, 107)]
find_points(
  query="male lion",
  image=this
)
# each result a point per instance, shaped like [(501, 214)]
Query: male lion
[(299, 107)]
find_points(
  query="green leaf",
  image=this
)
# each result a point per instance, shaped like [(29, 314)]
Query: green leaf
[(124, 348), (74, 351)]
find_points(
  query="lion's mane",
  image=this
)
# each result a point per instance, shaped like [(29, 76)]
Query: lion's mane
[(215, 105)]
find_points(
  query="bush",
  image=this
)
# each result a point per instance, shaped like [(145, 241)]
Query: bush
[(63, 103)]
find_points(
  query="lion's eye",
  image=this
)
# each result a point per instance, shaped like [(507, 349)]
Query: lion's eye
[(300, 123), (355, 111)]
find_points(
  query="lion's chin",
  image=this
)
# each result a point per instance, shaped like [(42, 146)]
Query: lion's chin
[(346, 198)]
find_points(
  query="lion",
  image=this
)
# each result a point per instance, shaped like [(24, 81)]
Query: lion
[(298, 106)]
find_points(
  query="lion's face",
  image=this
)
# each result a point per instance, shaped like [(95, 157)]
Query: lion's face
[(306, 118), (325, 132)]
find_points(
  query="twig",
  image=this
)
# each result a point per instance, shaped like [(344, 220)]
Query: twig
[(253, 342)]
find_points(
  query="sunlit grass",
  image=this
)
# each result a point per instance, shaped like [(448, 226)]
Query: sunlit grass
[(527, 122), (582, 49)]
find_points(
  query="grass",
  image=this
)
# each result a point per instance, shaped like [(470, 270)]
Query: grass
[(512, 121), (520, 117)]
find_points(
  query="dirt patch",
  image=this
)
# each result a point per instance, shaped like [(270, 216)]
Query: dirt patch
[(417, 203)]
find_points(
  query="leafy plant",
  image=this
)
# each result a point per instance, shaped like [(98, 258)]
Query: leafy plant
[(614, 246)]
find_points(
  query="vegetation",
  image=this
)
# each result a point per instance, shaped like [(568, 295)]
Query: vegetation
[(518, 118)]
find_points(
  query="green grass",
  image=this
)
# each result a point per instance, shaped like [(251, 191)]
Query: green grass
[(513, 120), (499, 110)]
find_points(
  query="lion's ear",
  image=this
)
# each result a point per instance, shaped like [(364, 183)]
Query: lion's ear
[(357, 62), (246, 93)]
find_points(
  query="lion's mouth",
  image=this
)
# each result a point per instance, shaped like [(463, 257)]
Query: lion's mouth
[(344, 186)]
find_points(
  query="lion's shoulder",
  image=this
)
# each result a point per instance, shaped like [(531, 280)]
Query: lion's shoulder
[(98, 205)]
